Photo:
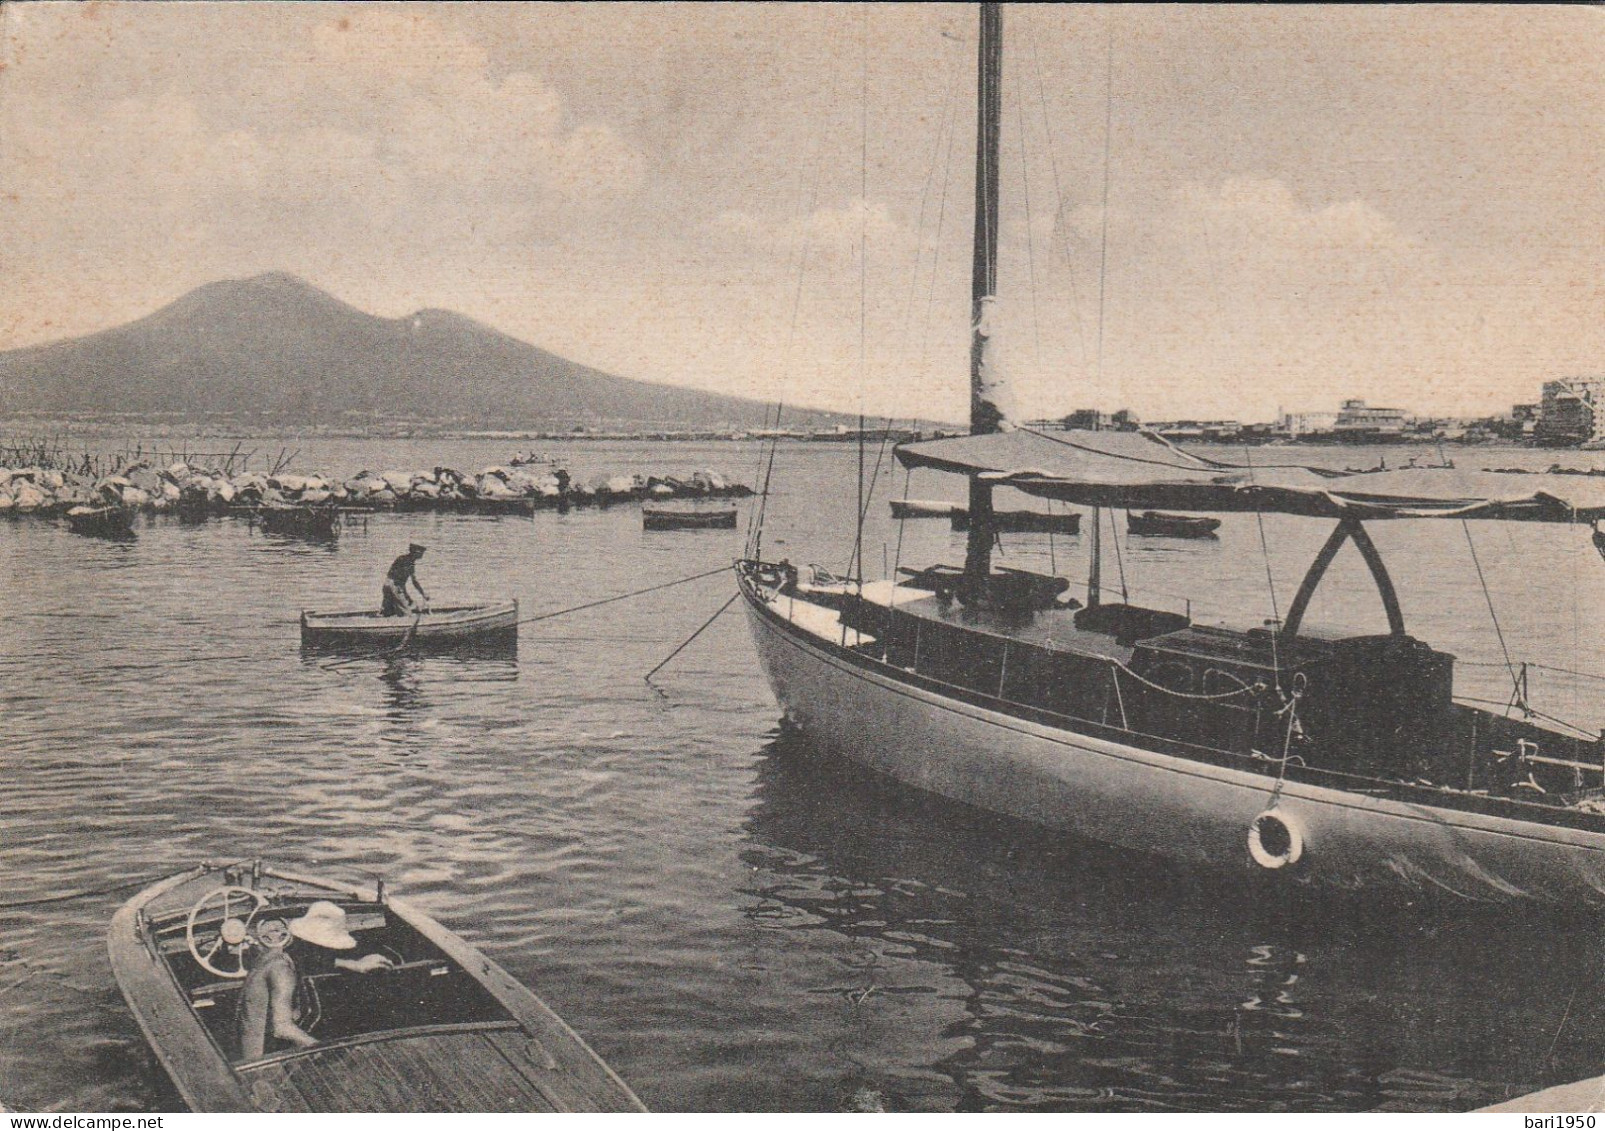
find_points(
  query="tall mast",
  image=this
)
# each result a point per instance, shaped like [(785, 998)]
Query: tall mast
[(989, 407)]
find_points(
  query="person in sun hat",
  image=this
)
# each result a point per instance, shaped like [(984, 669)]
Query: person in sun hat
[(395, 600), (269, 1000)]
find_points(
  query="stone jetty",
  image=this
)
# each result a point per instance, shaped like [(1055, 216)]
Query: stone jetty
[(195, 491)]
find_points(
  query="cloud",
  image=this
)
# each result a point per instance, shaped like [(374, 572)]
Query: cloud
[(1265, 215), (832, 234)]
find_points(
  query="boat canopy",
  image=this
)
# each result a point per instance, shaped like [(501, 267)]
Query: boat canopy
[(1139, 470)]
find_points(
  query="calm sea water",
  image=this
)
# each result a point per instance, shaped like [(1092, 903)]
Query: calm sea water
[(733, 922)]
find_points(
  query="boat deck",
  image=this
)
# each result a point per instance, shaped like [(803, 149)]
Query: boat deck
[(487, 1069), (1052, 629)]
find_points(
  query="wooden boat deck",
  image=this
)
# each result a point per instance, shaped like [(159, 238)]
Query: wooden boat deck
[(1052, 629), (491, 1068)]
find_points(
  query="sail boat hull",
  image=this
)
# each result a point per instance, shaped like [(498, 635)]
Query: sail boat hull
[(1148, 802)]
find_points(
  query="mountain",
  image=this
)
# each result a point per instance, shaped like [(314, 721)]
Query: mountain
[(276, 348)]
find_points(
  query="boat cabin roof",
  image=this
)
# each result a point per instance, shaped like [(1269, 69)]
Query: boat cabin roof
[(1141, 471)]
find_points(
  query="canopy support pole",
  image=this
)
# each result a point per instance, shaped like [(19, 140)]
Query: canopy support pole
[(1095, 570), (1347, 528), (978, 543)]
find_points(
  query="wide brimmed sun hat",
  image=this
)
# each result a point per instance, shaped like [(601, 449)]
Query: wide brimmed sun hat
[(325, 925)]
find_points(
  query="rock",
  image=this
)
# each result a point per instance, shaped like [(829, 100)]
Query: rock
[(6, 501), (315, 496), (171, 492), (397, 481), (134, 497), (661, 491), (145, 479), (29, 498), (53, 480), (291, 483)]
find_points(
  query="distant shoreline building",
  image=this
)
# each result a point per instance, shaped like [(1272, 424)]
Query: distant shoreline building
[(1358, 422), (1293, 425), (1572, 412)]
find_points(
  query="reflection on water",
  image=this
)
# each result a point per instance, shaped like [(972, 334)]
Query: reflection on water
[(1056, 975)]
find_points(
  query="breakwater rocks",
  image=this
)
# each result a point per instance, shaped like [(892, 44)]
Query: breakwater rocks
[(197, 492)]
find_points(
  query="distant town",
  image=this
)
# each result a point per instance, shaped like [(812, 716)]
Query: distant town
[(1570, 414)]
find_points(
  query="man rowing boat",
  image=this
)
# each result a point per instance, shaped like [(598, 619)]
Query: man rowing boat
[(395, 600)]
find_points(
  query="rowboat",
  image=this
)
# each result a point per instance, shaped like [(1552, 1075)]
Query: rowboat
[(452, 626), (1023, 522), (102, 522), (443, 1028), (322, 522), (685, 518), (921, 508), (1154, 524)]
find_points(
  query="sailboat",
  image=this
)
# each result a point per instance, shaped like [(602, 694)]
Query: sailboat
[(1343, 761)]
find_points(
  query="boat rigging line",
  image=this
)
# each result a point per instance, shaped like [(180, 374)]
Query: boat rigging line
[(1518, 696), (804, 245), (1058, 192), (622, 596), (734, 597), (1270, 580), (1120, 561), (1103, 249)]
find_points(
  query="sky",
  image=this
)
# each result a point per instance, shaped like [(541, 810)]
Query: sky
[(1208, 211)]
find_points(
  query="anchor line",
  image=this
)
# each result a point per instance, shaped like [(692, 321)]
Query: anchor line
[(687, 641), (621, 596)]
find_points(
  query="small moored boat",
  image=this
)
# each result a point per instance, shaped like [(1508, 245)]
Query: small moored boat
[(921, 508), (1024, 522), (443, 1028), (102, 522), (321, 522), (1156, 524), (688, 518), (448, 627)]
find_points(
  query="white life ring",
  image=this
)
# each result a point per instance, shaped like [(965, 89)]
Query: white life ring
[(1275, 839)]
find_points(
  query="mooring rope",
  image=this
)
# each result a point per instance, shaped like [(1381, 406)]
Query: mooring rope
[(687, 641), (621, 596), (90, 894)]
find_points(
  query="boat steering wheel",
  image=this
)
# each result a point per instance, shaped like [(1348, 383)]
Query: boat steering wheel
[(232, 931)]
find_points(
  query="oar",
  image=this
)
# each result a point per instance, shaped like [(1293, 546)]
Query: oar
[(402, 647), (411, 632)]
